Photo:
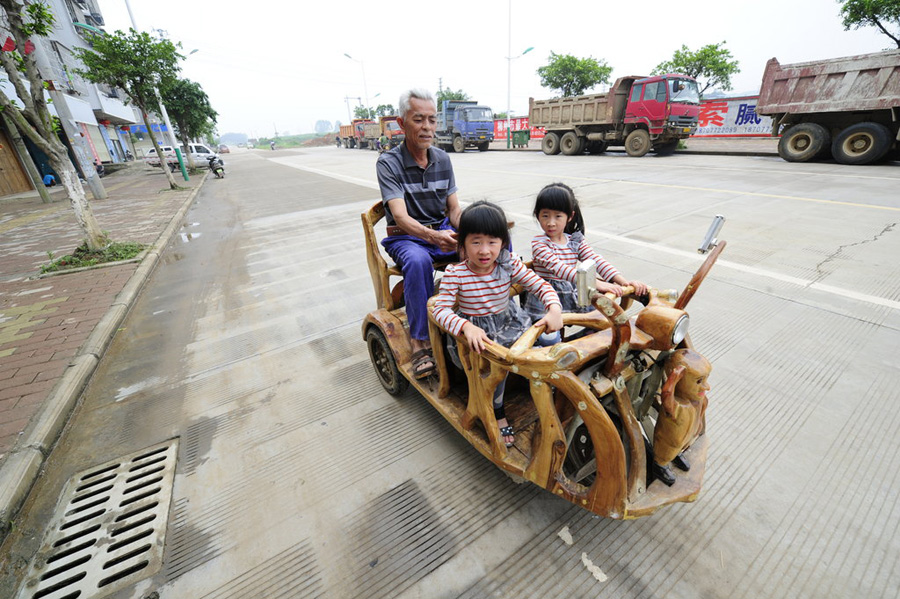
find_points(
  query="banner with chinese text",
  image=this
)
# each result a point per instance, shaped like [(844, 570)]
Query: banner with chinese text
[(517, 124), (732, 117)]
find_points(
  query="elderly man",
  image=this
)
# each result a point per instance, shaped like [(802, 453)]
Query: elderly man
[(419, 193)]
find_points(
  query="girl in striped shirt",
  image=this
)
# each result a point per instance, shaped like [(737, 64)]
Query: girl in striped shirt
[(479, 287), (557, 252)]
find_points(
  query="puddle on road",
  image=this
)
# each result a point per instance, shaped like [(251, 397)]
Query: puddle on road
[(125, 392)]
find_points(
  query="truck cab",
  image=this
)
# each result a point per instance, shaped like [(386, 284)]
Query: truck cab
[(667, 105), (463, 124)]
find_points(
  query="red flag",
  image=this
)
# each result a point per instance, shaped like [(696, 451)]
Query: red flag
[(9, 45), (29, 47)]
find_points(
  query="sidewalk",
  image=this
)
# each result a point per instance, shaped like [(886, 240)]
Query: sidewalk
[(53, 330)]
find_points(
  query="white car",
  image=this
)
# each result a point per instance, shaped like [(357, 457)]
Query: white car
[(152, 158), (200, 153)]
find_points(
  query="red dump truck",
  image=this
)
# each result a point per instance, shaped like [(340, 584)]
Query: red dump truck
[(848, 107), (641, 113), (354, 135)]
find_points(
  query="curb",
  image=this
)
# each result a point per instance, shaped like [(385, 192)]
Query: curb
[(21, 468)]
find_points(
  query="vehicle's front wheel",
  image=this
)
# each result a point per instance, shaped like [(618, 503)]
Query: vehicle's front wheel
[(550, 144), (483, 147), (861, 143), (385, 365), (637, 143), (459, 145), (803, 142)]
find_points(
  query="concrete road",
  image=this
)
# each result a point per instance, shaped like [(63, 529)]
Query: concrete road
[(298, 476)]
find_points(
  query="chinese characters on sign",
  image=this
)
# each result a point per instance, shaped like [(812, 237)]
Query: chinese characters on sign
[(517, 124), (732, 117)]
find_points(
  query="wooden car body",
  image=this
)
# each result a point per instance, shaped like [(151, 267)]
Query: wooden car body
[(583, 409)]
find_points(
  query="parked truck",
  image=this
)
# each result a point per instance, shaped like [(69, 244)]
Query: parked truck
[(387, 126), (848, 107), (464, 124), (641, 113), (353, 135)]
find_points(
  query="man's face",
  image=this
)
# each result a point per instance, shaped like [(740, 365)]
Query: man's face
[(419, 124)]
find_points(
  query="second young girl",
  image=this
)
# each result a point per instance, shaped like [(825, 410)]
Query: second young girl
[(479, 287), (562, 245)]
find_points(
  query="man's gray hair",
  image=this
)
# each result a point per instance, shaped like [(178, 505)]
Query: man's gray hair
[(419, 94)]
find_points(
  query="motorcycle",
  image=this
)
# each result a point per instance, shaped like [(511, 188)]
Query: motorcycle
[(217, 166), (101, 170), (128, 156)]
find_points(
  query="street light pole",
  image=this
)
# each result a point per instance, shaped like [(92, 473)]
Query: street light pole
[(165, 115), (509, 60), (363, 67)]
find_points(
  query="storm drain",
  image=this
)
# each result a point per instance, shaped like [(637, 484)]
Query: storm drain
[(109, 529)]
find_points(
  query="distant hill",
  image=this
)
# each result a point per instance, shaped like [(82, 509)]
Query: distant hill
[(233, 139)]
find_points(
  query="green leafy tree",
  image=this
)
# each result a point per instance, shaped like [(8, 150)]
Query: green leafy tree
[(361, 112), (883, 14), (189, 110), (32, 118), (385, 110), (323, 126), (449, 94), (136, 63), (712, 66), (572, 76)]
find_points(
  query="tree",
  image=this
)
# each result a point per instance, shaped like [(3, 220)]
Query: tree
[(361, 112), (573, 76), (873, 13), (136, 63), (449, 94), (323, 127), (189, 110), (34, 119), (711, 65), (385, 110)]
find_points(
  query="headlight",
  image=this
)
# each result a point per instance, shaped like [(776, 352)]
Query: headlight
[(681, 329), (664, 324)]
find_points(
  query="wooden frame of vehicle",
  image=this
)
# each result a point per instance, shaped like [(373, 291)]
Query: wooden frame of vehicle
[(584, 409)]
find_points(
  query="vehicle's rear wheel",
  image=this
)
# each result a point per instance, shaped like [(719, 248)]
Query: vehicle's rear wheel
[(804, 142), (550, 144), (385, 365), (637, 143), (571, 144), (580, 464), (459, 145), (861, 143)]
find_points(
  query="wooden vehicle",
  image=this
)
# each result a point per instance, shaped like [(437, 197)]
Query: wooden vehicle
[(584, 409), (638, 112), (848, 107)]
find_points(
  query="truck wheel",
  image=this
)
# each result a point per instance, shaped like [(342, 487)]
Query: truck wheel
[(571, 144), (803, 142), (385, 365), (550, 144), (597, 147), (637, 143), (861, 143), (484, 147), (459, 145), (666, 149)]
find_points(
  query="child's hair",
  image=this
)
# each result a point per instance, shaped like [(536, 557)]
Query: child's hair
[(483, 218), (561, 198)]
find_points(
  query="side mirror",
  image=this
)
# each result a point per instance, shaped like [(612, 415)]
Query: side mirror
[(585, 277), (710, 240)]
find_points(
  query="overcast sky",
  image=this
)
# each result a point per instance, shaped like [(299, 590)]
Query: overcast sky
[(271, 64)]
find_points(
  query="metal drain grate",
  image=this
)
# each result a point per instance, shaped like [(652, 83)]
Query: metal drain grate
[(109, 529)]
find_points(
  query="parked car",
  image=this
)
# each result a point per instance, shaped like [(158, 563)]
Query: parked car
[(223, 149), (152, 158), (200, 153)]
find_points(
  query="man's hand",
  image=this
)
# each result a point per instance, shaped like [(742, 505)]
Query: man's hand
[(445, 239)]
